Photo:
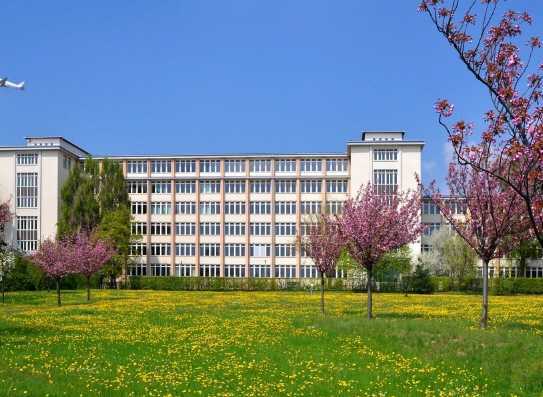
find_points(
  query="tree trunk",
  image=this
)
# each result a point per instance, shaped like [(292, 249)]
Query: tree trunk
[(3, 290), (58, 291), (88, 288), (484, 315), (322, 293), (370, 278)]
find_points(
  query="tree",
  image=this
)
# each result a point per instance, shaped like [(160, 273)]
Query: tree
[(54, 258), (5, 217), (88, 255), (420, 280), (7, 262), (494, 220), (527, 249), (373, 224), (492, 49), (324, 244), (433, 260), (115, 228), (393, 264), (459, 258)]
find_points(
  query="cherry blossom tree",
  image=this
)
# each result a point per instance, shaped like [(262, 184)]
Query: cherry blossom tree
[(5, 216), (88, 255), (494, 221), (489, 41), (323, 245), (373, 224), (7, 261), (54, 258)]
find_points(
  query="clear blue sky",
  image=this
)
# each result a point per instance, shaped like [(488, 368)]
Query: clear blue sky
[(230, 76)]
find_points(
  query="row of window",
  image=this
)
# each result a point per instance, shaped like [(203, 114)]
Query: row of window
[(235, 166), (230, 270), (233, 207), (213, 249), (234, 186), (214, 228)]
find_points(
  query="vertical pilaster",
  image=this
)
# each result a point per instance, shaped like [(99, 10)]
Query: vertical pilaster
[(247, 220), (273, 217), (197, 237), (298, 219), (222, 221), (173, 252), (323, 187), (124, 167), (148, 239)]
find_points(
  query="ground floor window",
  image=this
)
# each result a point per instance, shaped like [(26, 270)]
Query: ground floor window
[(285, 271), (138, 269), (185, 270), (27, 233), (234, 270), (309, 271), (534, 272), (160, 269), (212, 270), (260, 271)]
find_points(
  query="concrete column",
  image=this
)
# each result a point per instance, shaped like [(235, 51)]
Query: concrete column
[(148, 240), (298, 219), (173, 253), (197, 237), (273, 218), (247, 220), (323, 187), (221, 271)]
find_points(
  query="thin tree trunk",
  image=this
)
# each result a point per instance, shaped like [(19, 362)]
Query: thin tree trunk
[(58, 291), (322, 293), (369, 293), (484, 315), (88, 289), (3, 290)]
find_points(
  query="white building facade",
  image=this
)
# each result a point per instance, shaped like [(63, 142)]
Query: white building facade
[(211, 215)]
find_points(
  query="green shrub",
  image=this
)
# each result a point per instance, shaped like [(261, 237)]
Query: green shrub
[(421, 282)]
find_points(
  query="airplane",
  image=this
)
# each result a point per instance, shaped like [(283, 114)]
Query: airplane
[(8, 84)]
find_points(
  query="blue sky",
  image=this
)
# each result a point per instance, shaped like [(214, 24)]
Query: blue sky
[(230, 76)]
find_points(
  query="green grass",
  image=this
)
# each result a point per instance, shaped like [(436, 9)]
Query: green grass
[(133, 343)]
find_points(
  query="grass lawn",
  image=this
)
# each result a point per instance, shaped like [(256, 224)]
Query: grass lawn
[(133, 343)]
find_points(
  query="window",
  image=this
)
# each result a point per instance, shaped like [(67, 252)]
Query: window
[(136, 167), (334, 207), (285, 186), (311, 186), (138, 269), (161, 229), (260, 250), (160, 269), (234, 270), (234, 250), (306, 228), (308, 271), (185, 187), (285, 250), (385, 181), (456, 206), (260, 270), (261, 186), (426, 247), (185, 166), (185, 228), (285, 229), (429, 208), (210, 249), (27, 158), (234, 229), (311, 165), (260, 166), (385, 154), (66, 162), (27, 233), (260, 229), (161, 207), (136, 187), (185, 207), (232, 166), (285, 271), (234, 207), (27, 189), (161, 249), (234, 186), (184, 270), (138, 207), (285, 207), (336, 165), (161, 166), (161, 187), (210, 187), (210, 207), (430, 228), (138, 249), (210, 228), (260, 207), (285, 165), (210, 166), (310, 207), (207, 270), (139, 228), (337, 186), (185, 249)]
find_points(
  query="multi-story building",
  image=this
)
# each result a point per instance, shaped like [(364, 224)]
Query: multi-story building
[(212, 215)]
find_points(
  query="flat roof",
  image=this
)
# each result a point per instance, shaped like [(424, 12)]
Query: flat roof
[(57, 137)]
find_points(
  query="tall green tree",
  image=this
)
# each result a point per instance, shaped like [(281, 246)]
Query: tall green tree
[(527, 249)]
